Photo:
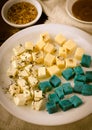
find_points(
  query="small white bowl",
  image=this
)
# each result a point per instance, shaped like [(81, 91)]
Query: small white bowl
[(9, 3), (68, 7)]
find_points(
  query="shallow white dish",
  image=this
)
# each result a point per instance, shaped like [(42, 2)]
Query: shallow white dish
[(68, 7), (25, 113), (9, 3)]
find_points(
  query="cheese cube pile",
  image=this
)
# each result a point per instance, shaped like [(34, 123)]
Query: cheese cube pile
[(32, 63)]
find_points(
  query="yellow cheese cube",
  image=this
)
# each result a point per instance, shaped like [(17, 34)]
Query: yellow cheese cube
[(71, 63), (60, 62), (49, 48), (42, 72), (53, 70), (38, 57), (45, 37), (62, 52), (70, 45), (60, 39), (29, 46), (40, 45), (49, 59), (18, 50), (79, 53)]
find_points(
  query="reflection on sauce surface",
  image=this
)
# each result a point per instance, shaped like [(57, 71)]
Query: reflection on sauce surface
[(82, 9)]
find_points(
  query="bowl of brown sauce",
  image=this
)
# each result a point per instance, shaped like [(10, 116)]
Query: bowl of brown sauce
[(80, 10), (21, 13)]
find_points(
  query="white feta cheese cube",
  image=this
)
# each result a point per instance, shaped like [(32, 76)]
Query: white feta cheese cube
[(20, 100), (11, 72), (32, 80), (38, 95), (38, 105), (28, 68), (14, 89), (23, 74), (27, 94), (22, 82), (27, 57), (18, 63), (18, 50)]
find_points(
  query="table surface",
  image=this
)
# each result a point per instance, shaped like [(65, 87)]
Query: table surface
[(85, 124)]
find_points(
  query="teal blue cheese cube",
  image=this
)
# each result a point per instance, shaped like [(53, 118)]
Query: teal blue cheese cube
[(65, 105), (68, 73), (51, 107), (88, 76), (76, 101), (53, 97), (78, 86), (59, 91), (67, 88), (86, 60), (55, 81), (78, 70), (79, 77), (45, 86), (87, 90)]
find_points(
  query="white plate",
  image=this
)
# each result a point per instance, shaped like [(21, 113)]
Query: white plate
[(26, 113)]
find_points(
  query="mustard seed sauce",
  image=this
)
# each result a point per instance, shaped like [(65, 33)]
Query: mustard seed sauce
[(82, 9), (22, 13)]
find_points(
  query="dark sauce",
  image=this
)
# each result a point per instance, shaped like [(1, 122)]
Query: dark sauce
[(82, 9)]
